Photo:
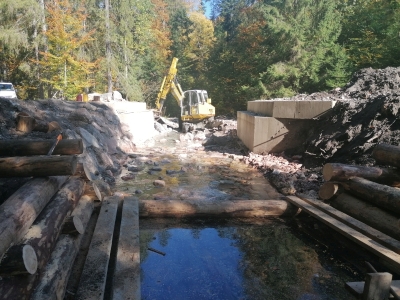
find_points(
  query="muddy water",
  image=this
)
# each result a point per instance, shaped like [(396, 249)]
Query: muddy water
[(224, 259)]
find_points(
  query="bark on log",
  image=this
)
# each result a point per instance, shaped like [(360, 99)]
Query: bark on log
[(102, 189), (21, 287), (19, 211), (42, 235), (19, 259), (41, 126), (40, 147), (126, 279), (38, 166), (53, 280), (329, 189), (94, 274), (343, 172), (386, 154), (234, 208), (25, 123), (369, 214), (383, 196)]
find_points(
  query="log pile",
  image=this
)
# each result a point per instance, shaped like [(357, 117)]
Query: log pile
[(368, 194), (42, 223)]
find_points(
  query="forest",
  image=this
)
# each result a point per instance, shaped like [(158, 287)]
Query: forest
[(241, 50)]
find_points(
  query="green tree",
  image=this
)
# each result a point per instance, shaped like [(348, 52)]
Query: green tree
[(64, 70)]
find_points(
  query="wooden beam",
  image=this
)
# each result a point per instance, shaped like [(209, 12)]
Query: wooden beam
[(38, 166), (359, 238), (365, 229), (227, 208), (94, 274), (39, 147), (126, 279)]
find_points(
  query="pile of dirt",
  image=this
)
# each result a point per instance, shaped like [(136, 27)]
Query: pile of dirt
[(366, 114)]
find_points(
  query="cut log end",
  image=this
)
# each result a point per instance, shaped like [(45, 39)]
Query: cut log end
[(328, 190), (102, 189), (73, 225), (19, 259), (30, 259)]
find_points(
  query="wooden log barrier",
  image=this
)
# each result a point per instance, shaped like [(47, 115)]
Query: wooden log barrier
[(20, 210), (38, 166), (40, 147), (383, 196), (386, 154), (234, 208), (19, 259), (54, 277), (42, 236), (343, 172), (369, 214)]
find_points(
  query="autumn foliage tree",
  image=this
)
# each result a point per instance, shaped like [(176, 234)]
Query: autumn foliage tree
[(65, 69)]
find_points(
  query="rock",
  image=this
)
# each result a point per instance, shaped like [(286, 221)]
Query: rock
[(155, 169), (159, 183), (135, 168), (128, 177)]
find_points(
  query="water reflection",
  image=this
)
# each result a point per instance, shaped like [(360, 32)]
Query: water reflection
[(268, 261)]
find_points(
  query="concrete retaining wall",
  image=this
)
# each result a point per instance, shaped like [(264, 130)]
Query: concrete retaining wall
[(271, 135)]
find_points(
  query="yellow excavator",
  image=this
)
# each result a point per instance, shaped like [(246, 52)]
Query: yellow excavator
[(196, 108)]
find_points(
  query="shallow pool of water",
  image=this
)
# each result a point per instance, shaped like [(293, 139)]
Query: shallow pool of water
[(238, 261)]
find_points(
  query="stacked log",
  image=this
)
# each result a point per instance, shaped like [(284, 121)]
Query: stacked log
[(45, 217), (369, 194)]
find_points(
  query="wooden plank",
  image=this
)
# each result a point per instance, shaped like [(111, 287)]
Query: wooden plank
[(126, 284), (359, 238), (365, 229), (94, 274)]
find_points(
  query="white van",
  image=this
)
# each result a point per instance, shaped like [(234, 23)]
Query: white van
[(7, 90)]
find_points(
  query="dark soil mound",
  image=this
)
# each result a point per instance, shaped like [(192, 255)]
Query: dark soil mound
[(367, 114)]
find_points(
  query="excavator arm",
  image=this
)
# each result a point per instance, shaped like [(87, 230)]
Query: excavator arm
[(170, 85)]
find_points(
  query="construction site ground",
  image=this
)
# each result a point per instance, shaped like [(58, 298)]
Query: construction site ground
[(366, 114)]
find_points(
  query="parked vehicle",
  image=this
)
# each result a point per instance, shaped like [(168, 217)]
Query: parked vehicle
[(7, 90)]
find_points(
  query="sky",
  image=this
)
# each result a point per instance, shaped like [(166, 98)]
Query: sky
[(208, 9)]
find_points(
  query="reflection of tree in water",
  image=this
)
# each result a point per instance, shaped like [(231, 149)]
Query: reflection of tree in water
[(195, 233), (276, 264), (163, 237)]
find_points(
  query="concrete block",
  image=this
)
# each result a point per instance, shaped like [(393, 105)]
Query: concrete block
[(271, 135)]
